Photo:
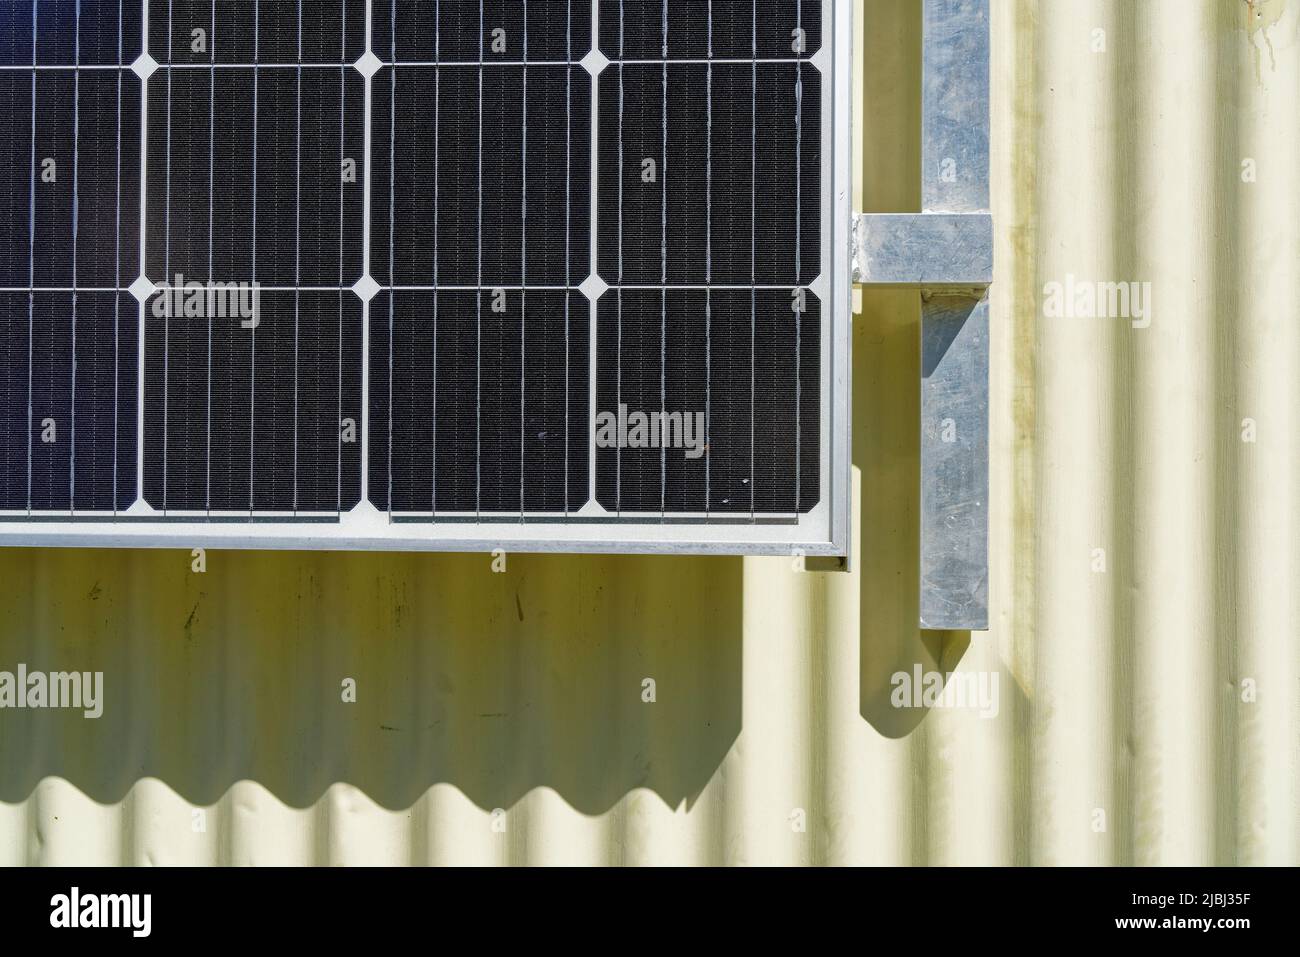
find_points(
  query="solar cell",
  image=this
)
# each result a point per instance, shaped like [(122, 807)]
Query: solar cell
[(748, 347), (440, 161), (68, 32), (68, 173), (67, 430), (266, 32), (501, 405), (202, 179), (448, 31), (725, 29), (779, 169), (255, 419)]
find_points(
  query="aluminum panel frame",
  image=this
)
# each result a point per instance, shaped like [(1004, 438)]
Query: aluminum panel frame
[(824, 531)]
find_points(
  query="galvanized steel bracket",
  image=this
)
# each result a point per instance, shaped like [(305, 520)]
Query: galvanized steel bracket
[(923, 249), (946, 252)]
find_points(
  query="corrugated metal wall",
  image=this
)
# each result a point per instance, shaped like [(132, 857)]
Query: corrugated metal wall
[(1145, 567)]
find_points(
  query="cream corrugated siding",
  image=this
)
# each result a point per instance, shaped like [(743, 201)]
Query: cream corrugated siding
[(1120, 690)]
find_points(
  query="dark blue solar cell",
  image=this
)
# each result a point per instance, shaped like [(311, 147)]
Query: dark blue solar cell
[(241, 416), (554, 176), (97, 175), (488, 408), (766, 29), (764, 187), (76, 448), (202, 180), (749, 367), (70, 32), (241, 31), (449, 30)]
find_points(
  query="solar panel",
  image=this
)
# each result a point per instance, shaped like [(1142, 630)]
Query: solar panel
[(455, 274)]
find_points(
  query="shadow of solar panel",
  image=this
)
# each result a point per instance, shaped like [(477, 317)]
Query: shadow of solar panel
[(48, 179), (634, 29), (486, 406), (449, 30), (747, 370), (105, 27), (67, 429), (204, 192), (240, 31), (255, 419)]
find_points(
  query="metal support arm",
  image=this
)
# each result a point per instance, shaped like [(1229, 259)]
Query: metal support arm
[(947, 252)]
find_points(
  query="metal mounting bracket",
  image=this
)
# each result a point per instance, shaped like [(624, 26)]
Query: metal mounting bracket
[(946, 252)]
